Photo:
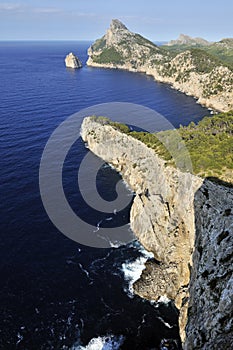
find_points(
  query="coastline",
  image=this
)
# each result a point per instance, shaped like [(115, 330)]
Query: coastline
[(214, 104), (187, 212)]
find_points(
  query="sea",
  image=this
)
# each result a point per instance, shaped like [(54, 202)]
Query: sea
[(56, 293)]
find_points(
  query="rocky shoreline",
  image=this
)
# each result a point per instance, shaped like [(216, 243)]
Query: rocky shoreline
[(121, 49), (186, 222)]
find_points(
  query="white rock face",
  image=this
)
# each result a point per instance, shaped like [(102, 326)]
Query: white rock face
[(187, 224), (72, 61)]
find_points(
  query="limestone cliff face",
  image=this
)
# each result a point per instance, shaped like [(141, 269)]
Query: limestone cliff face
[(191, 72), (72, 61), (173, 214)]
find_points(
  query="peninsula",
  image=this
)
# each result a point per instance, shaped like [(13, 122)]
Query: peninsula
[(186, 221), (193, 71)]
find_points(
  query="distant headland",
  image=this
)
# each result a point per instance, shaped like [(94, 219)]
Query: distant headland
[(192, 65)]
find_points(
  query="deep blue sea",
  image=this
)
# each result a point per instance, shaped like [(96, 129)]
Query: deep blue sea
[(54, 292)]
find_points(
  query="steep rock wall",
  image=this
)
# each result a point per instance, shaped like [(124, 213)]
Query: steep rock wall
[(168, 209), (210, 314)]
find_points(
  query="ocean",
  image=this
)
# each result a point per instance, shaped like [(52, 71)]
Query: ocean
[(56, 293)]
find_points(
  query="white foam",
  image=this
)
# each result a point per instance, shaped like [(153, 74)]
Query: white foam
[(116, 244), (110, 342), (165, 323), (98, 226), (164, 300), (132, 270)]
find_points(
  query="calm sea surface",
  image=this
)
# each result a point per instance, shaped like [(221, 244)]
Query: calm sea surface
[(55, 293)]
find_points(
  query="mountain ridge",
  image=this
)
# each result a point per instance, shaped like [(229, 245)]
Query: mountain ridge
[(193, 72), (185, 39)]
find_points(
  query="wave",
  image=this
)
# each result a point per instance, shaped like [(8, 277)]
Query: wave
[(133, 269), (109, 342)]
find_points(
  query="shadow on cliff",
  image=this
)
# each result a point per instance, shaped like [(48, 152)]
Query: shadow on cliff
[(210, 308)]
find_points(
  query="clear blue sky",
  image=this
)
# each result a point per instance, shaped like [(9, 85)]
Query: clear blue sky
[(89, 19)]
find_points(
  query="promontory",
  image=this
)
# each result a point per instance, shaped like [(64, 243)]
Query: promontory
[(193, 71), (186, 222)]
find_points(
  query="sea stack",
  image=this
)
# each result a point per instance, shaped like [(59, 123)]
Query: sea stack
[(72, 61)]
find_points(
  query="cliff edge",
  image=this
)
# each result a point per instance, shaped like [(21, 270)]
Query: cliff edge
[(193, 71), (187, 223)]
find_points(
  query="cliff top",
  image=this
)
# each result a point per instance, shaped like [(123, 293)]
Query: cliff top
[(209, 143)]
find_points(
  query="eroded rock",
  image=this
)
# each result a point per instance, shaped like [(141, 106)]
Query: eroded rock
[(72, 61)]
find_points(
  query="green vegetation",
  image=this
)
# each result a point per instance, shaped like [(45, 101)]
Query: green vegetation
[(140, 40), (99, 44), (143, 41), (222, 52), (106, 121), (152, 141), (209, 144), (203, 61), (109, 55)]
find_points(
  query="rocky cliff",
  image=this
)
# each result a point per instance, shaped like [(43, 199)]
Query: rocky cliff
[(72, 61), (187, 224), (193, 72)]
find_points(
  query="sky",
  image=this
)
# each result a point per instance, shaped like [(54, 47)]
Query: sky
[(158, 20)]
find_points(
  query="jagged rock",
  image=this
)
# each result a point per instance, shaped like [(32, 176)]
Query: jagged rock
[(72, 61), (187, 224), (188, 40), (193, 72)]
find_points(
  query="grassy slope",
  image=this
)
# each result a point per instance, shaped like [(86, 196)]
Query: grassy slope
[(222, 54), (209, 143), (114, 55)]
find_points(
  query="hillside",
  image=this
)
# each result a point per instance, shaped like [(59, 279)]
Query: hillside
[(221, 50), (120, 46), (191, 71), (209, 144)]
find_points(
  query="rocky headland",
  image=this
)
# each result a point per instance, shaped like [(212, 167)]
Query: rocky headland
[(72, 61), (186, 222), (193, 71)]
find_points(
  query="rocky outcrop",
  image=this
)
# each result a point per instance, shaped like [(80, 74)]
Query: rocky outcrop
[(193, 72), (72, 61), (189, 41), (186, 224), (210, 315)]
